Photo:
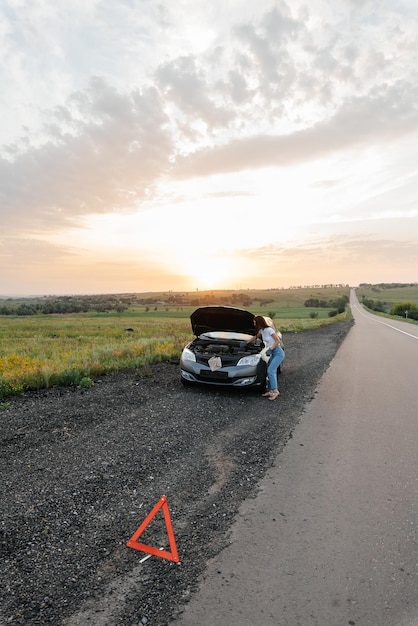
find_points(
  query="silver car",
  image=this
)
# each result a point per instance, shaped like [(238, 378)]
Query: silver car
[(219, 355)]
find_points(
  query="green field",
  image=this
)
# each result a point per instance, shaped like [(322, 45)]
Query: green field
[(39, 351), (388, 294)]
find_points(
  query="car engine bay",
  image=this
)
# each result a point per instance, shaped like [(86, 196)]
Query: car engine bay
[(206, 347)]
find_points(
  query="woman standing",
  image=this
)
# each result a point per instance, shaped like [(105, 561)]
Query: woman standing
[(274, 349)]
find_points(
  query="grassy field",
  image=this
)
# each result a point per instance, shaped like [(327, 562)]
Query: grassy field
[(39, 351), (389, 295)]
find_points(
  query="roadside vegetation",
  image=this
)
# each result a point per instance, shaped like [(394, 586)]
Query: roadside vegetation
[(391, 299), (41, 347)]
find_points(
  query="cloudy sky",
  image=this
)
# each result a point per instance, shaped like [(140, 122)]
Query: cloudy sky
[(152, 145)]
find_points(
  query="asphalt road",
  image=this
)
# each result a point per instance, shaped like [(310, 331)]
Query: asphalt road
[(332, 537)]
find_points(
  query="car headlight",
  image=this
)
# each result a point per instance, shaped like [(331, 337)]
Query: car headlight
[(188, 355), (249, 360)]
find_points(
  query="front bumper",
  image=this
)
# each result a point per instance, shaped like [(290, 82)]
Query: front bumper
[(237, 376)]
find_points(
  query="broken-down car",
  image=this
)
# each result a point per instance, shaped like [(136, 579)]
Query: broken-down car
[(219, 354)]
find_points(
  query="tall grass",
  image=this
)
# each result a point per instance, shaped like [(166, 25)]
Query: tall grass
[(41, 351)]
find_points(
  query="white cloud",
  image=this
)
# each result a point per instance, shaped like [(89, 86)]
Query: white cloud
[(114, 147)]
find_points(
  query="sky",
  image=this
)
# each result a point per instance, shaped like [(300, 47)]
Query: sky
[(188, 145)]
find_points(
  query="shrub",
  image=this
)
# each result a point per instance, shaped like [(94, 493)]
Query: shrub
[(374, 305), (9, 388), (405, 309), (86, 382)]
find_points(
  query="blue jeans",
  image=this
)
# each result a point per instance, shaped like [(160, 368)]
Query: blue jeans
[(277, 356)]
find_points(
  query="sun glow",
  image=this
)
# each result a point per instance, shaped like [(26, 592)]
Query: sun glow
[(210, 272)]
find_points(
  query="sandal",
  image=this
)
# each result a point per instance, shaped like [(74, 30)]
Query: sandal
[(274, 394)]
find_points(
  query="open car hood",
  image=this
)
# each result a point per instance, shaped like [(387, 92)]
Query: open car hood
[(210, 318)]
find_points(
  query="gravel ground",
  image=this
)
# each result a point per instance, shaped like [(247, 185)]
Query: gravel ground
[(81, 469)]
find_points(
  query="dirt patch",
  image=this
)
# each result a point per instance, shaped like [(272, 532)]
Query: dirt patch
[(82, 468)]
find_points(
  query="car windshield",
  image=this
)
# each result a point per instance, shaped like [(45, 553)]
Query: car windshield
[(225, 334)]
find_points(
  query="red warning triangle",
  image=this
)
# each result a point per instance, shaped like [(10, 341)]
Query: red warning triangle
[(134, 543)]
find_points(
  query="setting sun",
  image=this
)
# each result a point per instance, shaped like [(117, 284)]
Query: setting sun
[(211, 272)]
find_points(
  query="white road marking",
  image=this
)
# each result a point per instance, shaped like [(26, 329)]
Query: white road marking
[(371, 317)]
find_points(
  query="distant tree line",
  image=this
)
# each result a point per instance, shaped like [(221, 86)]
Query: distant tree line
[(338, 304), (378, 286), (65, 304), (242, 299), (105, 303), (325, 286)]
